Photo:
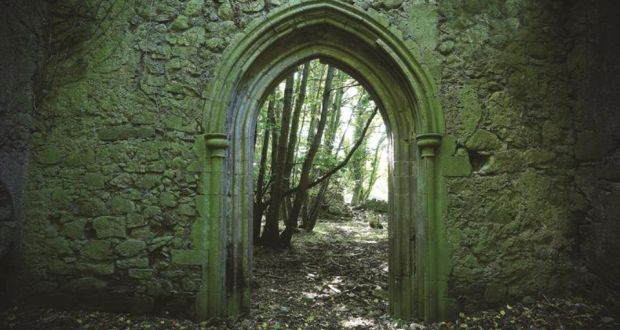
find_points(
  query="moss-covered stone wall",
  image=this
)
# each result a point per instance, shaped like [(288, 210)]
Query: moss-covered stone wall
[(112, 186), (595, 72), (506, 93)]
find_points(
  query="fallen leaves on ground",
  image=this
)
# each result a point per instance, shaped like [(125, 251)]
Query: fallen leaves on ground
[(334, 278)]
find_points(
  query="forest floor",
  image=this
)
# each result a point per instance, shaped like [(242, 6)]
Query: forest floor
[(334, 278)]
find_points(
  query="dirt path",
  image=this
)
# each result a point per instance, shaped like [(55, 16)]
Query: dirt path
[(333, 278)]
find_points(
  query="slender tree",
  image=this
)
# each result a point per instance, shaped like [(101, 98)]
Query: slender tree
[(271, 231), (310, 225), (374, 169), (304, 179), (294, 131), (329, 157), (261, 186)]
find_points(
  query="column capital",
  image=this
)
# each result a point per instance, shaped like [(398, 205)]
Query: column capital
[(428, 143), (217, 143)]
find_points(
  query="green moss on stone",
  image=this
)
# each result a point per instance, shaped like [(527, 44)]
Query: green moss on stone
[(539, 156), (159, 242), (124, 133), (50, 156), (83, 157), (225, 11), (168, 199), (135, 220), (97, 250), (143, 118), (152, 211), (186, 209), (91, 207), (483, 140), (130, 247), (60, 198), (120, 205), (109, 226), (105, 268), (180, 23), (143, 233), (505, 161), (94, 181), (57, 246), (142, 274), (139, 262), (73, 229), (174, 122), (194, 7), (193, 37), (472, 111)]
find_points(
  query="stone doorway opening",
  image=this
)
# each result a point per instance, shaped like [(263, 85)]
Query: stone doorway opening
[(375, 55), (326, 251)]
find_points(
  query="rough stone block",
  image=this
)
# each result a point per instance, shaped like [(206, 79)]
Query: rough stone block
[(57, 246), (194, 7), (125, 133), (142, 274), (121, 205), (139, 262), (538, 156), (73, 229), (130, 247), (108, 226), (106, 268), (135, 220), (50, 156), (167, 199), (181, 23), (483, 140), (94, 181), (97, 250)]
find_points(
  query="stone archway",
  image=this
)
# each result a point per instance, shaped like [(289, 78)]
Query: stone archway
[(377, 56)]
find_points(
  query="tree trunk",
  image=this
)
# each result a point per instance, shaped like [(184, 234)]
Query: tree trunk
[(271, 231), (358, 161), (313, 213), (314, 205), (304, 179), (342, 163), (259, 192), (294, 132), (374, 170)]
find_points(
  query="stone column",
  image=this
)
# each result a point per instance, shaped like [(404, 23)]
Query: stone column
[(428, 228), (211, 301)]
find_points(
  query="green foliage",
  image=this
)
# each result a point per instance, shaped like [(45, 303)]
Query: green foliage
[(349, 109)]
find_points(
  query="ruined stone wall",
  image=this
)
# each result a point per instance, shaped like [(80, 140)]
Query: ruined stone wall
[(112, 186), (595, 71), (20, 58), (507, 96)]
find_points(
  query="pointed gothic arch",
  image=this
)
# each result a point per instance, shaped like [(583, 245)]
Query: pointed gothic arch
[(361, 44)]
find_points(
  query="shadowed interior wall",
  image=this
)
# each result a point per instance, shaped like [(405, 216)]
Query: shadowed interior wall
[(19, 62), (595, 70)]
